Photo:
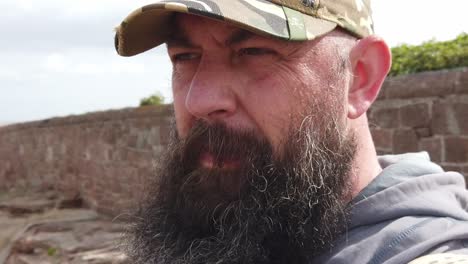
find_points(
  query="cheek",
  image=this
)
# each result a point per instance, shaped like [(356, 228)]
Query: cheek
[(270, 99), (265, 92), (179, 92), (282, 88)]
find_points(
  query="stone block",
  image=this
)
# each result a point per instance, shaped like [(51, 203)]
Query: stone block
[(461, 82), (98, 152), (109, 136), (405, 140), (144, 139), (154, 136), (456, 149), (433, 146), (165, 130), (383, 138), (450, 118), (439, 122), (132, 141), (385, 117), (442, 119), (425, 84), (460, 110), (423, 132), (451, 167), (415, 115)]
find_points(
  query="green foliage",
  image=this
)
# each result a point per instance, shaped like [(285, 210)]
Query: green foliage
[(430, 56), (51, 252), (155, 99)]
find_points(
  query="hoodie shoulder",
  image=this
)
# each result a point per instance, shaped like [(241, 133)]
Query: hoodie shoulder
[(397, 169), (413, 208)]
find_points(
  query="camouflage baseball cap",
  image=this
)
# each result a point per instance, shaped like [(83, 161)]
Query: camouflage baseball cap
[(298, 20)]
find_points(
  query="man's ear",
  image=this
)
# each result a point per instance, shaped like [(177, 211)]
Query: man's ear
[(370, 61)]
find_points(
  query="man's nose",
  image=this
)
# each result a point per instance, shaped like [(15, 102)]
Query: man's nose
[(211, 96)]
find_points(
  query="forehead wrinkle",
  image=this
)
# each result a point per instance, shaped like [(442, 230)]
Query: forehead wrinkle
[(180, 36)]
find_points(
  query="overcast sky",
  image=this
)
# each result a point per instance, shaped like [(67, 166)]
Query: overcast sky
[(58, 58)]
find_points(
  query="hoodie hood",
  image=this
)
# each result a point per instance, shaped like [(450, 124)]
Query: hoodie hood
[(411, 208)]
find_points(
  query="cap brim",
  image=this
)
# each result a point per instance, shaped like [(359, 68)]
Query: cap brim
[(149, 26)]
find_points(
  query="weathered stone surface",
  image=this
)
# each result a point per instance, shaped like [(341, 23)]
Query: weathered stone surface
[(423, 132), (59, 236), (461, 81), (456, 149), (415, 115), (27, 259), (460, 110), (74, 154), (73, 201), (434, 147), (426, 84), (450, 117), (405, 140), (20, 206), (386, 117), (442, 118), (383, 138), (455, 168), (106, 255), (31, 243)]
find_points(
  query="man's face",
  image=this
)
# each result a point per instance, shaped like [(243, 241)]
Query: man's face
[(258, 169), (249, 82)]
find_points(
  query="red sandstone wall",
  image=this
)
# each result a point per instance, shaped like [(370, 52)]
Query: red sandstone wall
[(426, 111), (107, 157), (104, 157)]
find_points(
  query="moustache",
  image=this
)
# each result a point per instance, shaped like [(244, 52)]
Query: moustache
[(223, 144)]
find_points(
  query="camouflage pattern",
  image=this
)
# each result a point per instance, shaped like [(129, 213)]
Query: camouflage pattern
[(444, 258), (296, 20)]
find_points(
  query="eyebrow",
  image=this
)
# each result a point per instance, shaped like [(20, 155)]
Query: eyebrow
[(180, 39), (238, 37)]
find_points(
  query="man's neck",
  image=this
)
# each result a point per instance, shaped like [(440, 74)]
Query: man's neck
[(366, 166)]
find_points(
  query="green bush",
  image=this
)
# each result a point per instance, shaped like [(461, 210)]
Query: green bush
[(430, 56), (155, 99)]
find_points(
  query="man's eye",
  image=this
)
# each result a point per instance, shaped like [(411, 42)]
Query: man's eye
[(185, 56), (256, 52)]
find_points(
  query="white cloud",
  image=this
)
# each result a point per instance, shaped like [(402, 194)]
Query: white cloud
[(55, 63), (88, 63), (57, 50), (25, 5), (415, 21), (108, 68), (9, 74), (127, 67)]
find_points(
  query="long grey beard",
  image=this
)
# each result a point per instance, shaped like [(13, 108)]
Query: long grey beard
[(288, 210)]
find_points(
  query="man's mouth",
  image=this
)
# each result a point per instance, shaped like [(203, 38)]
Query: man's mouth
[(208, 161)]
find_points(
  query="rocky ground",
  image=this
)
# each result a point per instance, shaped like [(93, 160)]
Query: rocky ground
[(44, 228)]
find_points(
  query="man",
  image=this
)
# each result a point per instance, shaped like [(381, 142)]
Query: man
[(272, 160)]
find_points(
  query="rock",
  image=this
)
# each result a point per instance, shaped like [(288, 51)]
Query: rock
[(68, 203), (28, 259), (63, 241), (102, 256), (21, 206), (48, 235)]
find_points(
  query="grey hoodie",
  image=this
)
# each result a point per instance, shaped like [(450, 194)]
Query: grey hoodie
[(413, 208)]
